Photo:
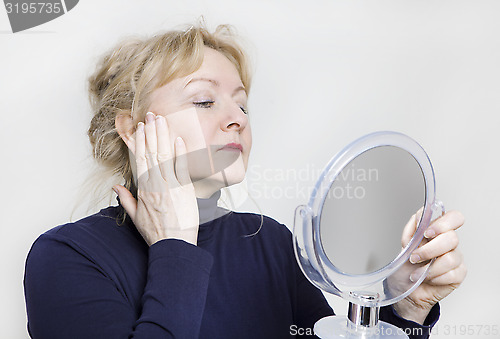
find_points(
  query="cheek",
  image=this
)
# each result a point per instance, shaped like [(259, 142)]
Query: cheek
[(210, 129), (186, 125), (248, 138)]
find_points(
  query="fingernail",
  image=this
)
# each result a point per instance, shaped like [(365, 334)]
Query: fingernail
[(430, 233), (178, 141), (150, 117), (160, 119), (114, 189), (415, 259), (140, 126)]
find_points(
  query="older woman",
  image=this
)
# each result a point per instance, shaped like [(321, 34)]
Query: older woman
[(167, 262)]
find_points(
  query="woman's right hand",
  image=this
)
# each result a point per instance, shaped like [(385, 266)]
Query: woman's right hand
[(166, 205)]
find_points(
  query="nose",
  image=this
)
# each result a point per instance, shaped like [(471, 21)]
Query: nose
[(234, 119)]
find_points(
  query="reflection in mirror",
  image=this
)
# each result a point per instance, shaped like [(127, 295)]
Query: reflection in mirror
[(367, 208)]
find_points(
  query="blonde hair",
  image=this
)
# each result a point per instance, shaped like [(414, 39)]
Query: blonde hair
[(126, 76)]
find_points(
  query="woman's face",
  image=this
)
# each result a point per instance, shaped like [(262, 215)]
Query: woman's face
[(207, 109)]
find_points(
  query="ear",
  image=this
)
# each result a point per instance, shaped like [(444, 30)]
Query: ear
[(125, 127)]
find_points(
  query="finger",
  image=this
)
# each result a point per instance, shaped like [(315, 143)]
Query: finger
[(452, 220), (419, 213), (438, 246), (152, 149), (455, 276), (151, 141), (447, 262), (409, 230), (181, 163), (140, 156), (165, 157), (127, 200), (411, 227)]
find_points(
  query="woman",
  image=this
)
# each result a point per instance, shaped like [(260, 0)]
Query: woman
[(171, 119)]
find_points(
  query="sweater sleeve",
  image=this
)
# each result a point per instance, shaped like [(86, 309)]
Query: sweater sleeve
[(68, 295), (411, 328)]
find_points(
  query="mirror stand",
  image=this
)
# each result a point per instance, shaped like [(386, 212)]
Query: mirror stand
[(362, 321), (366, 314)]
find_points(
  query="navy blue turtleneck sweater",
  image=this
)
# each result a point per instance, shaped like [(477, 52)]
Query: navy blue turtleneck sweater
[(96, 279)]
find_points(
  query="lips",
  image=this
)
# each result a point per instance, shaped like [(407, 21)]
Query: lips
[(232, 147)]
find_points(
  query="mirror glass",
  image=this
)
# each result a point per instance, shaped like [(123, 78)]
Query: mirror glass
[(367, 208)]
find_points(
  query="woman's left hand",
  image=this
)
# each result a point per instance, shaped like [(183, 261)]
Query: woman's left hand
[(446, 273)]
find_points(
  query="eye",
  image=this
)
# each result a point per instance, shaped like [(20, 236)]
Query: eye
[(204, 104), (244, 110)]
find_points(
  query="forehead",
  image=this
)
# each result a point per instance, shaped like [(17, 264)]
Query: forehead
[(216, 66)]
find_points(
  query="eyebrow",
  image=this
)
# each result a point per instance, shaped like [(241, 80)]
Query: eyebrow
[(215, 83)]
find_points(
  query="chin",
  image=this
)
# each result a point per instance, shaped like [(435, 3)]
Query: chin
[(234, 174), (231, 175)]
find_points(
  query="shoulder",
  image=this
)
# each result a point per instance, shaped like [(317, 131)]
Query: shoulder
[(86, 237), (265, 228), (268, 224), (98, 224)]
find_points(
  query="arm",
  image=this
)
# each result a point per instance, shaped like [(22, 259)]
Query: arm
[(413, 329), (68, 295)]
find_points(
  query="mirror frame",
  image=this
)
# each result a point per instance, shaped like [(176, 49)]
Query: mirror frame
[(308, 248)]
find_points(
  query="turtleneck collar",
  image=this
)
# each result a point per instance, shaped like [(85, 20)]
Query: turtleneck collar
[(208, 209)]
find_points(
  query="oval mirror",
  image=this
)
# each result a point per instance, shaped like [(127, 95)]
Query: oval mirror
[(367, 207), (367, 214)]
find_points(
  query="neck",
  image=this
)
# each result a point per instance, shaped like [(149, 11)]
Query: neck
[(206, 187), (207, 208)]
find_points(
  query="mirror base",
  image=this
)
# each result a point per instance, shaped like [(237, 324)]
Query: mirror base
[(337, 327)]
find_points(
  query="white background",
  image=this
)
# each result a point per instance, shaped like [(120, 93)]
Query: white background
[(326, 72)]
